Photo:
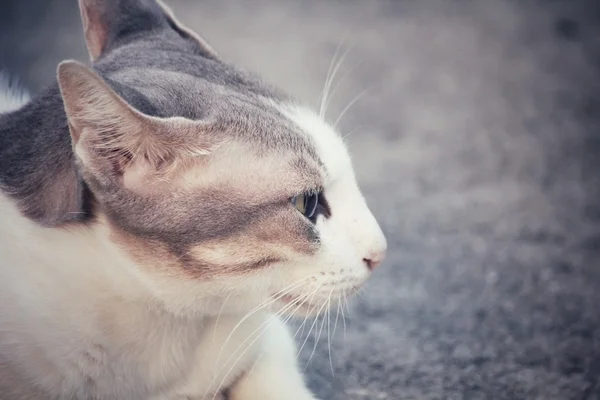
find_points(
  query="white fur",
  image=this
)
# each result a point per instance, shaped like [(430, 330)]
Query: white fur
[(75, 309), (11, 98), (351, 234)]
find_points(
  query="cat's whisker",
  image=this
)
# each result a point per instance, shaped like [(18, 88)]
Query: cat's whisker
[(310, 296), (327, 78), (333, 75), (338, 85), (348, 307), (280, 312), (353, 131), (270, 300), (347, 108), (208, 389), (329, 334), (260, 355), (315, 323), (264, 326), (359, 293), (311, 327), (303, 301), (315, 344), (306, 317), (304, 325), (337, 313), (326, 304), (344, 316), (355, 290), (327, 75)]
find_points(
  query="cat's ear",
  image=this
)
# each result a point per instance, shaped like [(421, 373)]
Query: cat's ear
[(111, 138), (95, 28), (106, 22), (186, 32)]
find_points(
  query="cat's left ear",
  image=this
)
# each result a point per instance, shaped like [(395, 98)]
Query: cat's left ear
[(116, 142), (107, 23)]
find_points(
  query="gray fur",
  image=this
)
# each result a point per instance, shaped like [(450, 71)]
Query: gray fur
[(161, 72)]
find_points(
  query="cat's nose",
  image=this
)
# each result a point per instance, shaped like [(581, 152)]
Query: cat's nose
[(374, 259)]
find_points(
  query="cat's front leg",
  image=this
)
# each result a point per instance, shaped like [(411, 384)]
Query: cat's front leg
[(274, 374)]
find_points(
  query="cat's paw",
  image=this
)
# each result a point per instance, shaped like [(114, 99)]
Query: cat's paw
[(256, 396), (270, 392)]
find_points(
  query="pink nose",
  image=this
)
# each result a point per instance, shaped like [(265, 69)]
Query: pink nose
[(374, 260)]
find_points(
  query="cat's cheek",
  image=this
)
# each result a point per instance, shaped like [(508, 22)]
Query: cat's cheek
[(335, 270)]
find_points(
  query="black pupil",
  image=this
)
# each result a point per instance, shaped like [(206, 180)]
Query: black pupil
[(310, 204)]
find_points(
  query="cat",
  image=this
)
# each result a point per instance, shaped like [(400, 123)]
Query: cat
[(161, 214)]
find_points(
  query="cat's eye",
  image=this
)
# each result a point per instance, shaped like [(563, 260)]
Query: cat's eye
[(306, 203)]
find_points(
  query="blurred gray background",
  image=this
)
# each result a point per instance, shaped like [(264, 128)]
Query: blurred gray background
[(477, 145)]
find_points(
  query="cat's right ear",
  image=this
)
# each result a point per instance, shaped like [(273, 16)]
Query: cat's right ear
[(186, 32), (115, 141), (95, 27), (107, 22)]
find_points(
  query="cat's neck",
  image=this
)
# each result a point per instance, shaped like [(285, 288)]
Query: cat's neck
[(83, 262), (80, 256)]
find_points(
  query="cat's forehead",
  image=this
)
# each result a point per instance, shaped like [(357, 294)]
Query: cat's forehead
[(160, 78), (173, 84), (159, 67)]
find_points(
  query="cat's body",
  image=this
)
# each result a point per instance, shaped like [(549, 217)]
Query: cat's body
[(77, 318), (148, 247)]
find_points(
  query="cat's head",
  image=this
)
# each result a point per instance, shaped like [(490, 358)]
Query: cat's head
[(216, 185)]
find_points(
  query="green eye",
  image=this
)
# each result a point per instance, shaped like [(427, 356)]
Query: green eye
[(299, 203), (306, 203)]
